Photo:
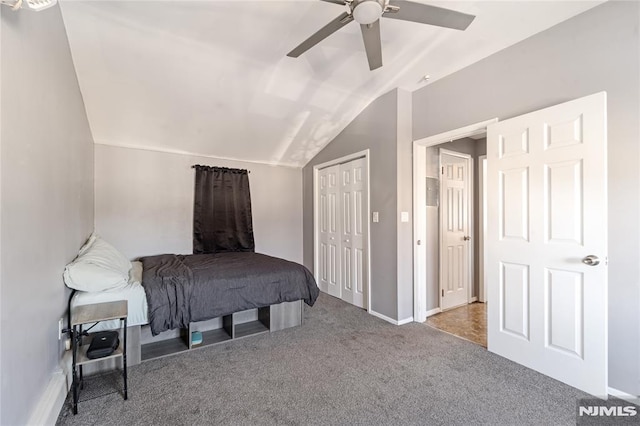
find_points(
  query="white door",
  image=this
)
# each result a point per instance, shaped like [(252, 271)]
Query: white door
[(546, 242), (329, 230), (454, 229), (353, 199)]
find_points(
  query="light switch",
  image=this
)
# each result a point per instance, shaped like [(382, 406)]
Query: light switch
[(375, 218), (404, 216)]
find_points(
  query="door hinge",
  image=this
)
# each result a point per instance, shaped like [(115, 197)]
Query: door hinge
[(442, 169), (443, 292)]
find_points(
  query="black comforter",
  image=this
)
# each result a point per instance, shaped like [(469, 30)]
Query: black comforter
[(190, 288)]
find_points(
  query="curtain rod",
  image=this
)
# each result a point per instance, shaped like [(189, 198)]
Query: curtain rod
[(222, 168)]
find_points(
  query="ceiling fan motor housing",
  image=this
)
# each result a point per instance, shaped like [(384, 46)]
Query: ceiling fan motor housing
[(367, 11)]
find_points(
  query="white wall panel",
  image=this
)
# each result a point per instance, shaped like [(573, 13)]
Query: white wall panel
[(563, 187), (514, 192), (514, 298), (564, 322), (563, 134), (514, 144)]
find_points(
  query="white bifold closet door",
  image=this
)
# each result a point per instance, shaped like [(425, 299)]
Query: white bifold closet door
[(329, 232), (342, 231)]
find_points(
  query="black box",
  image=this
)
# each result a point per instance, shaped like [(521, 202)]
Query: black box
[(103, 344)]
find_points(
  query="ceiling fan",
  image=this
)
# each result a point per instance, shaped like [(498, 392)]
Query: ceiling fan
[(368, 13)]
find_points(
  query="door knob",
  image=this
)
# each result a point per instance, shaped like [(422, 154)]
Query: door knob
[(591, 260), (466, 238), (346, 241)]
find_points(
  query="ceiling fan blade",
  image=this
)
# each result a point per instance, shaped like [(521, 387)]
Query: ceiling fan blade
[(340, 2), (321, 34), (431, 15), (372, 44)]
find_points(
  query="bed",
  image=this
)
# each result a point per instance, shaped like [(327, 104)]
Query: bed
[(227, 295), (182, 289)]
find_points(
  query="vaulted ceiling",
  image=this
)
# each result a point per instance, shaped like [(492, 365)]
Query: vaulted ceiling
[(212, 77)]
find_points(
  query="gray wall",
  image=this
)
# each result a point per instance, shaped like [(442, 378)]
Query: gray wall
[(595, 51), (405, 204), (375, 129), (474, 148), (144, 202), (47, 199)]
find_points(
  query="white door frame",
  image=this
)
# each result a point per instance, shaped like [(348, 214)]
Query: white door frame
[(470, 212), (316, 259), (419, 208), (482, 207)]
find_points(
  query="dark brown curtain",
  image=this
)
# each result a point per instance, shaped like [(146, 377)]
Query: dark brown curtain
[(222, 211)]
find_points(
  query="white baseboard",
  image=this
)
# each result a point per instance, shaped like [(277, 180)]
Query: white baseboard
[(391, 320), (473, 299), (384, 317), (433, 312), (48, 408), (405, 321), (634, 399)]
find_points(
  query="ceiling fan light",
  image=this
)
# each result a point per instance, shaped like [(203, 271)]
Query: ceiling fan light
[(367, 12)]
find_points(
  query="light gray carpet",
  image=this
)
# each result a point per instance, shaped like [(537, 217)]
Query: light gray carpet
[(343, 366)]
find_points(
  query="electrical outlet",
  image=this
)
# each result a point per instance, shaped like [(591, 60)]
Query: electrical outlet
[(60, 327)]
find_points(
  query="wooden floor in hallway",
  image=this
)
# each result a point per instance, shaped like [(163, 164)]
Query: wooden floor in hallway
[(468, 321)]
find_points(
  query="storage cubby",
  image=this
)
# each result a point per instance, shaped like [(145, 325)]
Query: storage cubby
[(249, 328), (234, 326), (210, 337), (163, 348)]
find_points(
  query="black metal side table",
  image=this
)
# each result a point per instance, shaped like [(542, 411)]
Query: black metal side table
[(88, 314)]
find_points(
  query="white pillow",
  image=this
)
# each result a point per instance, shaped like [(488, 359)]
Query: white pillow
[(98, 267), (88, 244)]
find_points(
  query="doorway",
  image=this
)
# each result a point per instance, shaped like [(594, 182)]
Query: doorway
[(452, 248), (426, 188)]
